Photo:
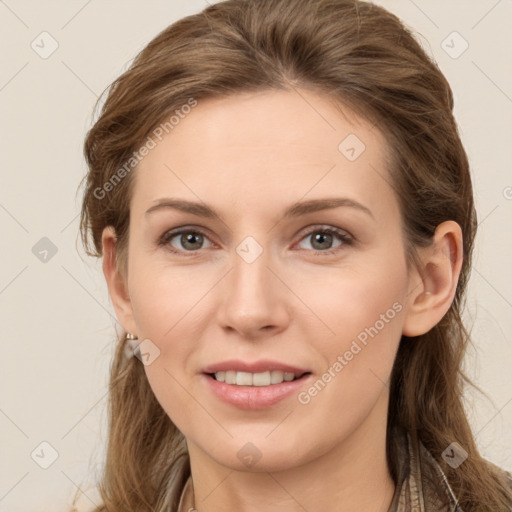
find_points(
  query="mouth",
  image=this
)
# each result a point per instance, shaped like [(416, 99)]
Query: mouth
[(260, 379), (264, 387), (257, 384)]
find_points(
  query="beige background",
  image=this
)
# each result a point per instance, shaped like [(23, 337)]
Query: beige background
[(57, 321)]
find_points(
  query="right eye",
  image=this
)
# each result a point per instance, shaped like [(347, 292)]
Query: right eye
[(190, 240)]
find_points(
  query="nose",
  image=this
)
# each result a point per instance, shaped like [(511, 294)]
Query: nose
[(255, 303)]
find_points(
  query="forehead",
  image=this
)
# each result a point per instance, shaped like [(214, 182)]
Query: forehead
[(266, 148)]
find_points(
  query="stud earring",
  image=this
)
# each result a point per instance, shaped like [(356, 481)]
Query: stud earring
[(131, 345)]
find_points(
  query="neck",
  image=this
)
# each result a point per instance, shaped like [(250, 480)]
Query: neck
[(353, 475)]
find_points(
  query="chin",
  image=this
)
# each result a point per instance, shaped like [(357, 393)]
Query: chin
[(257, 453)]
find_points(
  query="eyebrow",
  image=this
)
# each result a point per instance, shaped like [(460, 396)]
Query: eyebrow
[(295, 210)]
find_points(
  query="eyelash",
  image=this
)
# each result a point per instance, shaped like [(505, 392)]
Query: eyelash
[(345, 238)]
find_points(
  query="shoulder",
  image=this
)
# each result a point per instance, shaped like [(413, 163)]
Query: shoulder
[(437, 489), (421, 484)]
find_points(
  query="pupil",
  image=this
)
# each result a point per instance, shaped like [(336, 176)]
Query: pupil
[(321, 237), (189, 239)]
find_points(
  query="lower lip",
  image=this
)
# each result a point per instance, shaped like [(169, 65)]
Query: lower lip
[(255, 397)]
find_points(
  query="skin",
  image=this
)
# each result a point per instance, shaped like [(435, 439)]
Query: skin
[(250, 156)]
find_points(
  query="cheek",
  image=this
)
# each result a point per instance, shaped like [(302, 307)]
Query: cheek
[(165, 303), (350, 303), (170, 308), (363, 313), (164, 298)]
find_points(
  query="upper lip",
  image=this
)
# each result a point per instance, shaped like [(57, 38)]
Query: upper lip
[(254, 367)]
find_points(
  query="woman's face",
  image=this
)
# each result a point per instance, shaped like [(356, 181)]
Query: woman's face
[(257, 276)]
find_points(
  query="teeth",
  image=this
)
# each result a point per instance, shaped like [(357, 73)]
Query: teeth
[(243, 379), (254, 379), (230, 378), (259, 379)]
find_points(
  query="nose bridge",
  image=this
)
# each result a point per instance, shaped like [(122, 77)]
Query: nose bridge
[(250, 276), (253, 298)]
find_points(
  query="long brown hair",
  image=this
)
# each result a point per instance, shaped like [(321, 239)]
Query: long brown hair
[(357, 54)]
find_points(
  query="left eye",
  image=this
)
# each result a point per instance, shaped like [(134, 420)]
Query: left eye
[(323, 239)]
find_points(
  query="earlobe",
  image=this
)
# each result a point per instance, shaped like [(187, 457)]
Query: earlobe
[(433, 286), (116, 282)]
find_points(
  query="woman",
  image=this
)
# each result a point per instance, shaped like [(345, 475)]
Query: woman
[(285, 214)]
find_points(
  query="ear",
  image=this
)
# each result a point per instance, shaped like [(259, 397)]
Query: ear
[(432, 287), (116, 282)]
